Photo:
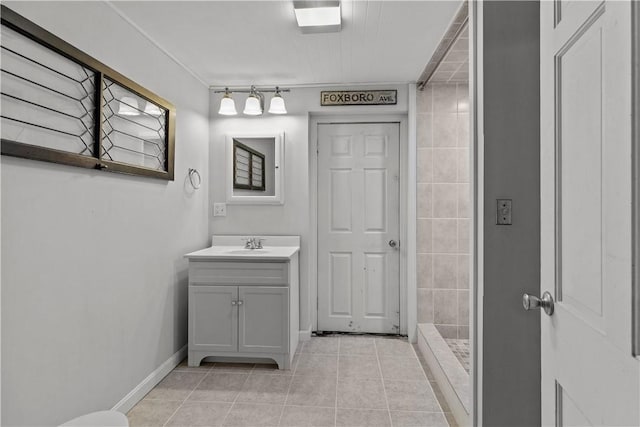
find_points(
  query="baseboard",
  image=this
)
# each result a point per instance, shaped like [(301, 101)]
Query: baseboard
[(141, 390), (304, 335)]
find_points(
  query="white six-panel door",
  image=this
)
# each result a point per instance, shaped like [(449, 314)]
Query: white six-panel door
[(589, 375), (358, 214)]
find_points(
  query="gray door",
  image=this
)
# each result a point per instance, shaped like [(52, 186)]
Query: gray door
[(213, 318), (263, 319)]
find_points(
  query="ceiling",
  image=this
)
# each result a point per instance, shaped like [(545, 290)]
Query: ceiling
[(237, 43)]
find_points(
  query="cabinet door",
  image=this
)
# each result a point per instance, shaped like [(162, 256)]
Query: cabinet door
[(213, 318), (263, 319)]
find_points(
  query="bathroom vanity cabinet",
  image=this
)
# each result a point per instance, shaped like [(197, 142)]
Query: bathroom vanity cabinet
[(243, 304)]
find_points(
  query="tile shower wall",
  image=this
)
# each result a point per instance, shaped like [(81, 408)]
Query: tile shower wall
[(443, 208)]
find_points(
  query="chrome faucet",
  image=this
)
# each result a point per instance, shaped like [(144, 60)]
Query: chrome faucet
[(253, 243)]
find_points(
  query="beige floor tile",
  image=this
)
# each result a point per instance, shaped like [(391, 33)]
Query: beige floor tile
[(200, 414), (152, 412), (401, 368), (394, 347), (358, 367), (357, 345), (239, 394), (176, 386), (304, 416), (362, 418), (361, 394), (312, 391), (219, 387), (233, 367), (253, 415), (317, 365), (204, 367), (272, 369), (411, 396), (321, 345), (265, 389), (418, 419)]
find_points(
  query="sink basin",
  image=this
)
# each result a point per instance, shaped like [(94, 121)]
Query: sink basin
[(247, 251)]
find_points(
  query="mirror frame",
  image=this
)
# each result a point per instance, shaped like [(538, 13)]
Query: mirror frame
[(278, 197)]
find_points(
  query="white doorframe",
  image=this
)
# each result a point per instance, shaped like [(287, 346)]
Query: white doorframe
[(407, 216), (635, 150), (477, 197)]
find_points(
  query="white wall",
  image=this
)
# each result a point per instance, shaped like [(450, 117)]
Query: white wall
[(93, 279), (293, 217)]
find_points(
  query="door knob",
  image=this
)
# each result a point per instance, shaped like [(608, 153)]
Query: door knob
[(393, 244), (546, 302)]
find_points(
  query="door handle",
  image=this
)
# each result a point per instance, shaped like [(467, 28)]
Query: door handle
[(530, 302), (393, 244)]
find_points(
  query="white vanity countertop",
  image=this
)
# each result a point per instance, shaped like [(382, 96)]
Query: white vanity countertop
[(237, 253)]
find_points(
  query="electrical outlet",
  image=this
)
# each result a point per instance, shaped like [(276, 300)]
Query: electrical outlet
[(219, 209), (503, 212)]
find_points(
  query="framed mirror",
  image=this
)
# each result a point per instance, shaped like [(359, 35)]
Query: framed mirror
[(255, 169)]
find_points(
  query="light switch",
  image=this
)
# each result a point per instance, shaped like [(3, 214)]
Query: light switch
[(219, 209), (503, 212)]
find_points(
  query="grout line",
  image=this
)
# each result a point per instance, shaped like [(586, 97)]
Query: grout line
[(384, 387), (236, 398), (286, 398), (335, 402), (185, 399)]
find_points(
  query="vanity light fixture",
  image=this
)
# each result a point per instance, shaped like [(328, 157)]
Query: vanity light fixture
[(227, 104), (318, 16), (277, 103), (254, 104), (128, 106)]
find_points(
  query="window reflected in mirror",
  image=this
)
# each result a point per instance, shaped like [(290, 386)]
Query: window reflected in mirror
[(248, 168)]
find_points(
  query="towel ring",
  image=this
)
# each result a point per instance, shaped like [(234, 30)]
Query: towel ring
[(192, 173)]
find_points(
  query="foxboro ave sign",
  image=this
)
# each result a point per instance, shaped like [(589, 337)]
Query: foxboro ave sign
[(359, 97)]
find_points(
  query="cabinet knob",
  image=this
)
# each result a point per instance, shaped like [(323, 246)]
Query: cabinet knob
[(240, 302), (234, 302)]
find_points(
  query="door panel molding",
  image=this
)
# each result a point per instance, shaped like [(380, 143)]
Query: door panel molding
[(584, 291)]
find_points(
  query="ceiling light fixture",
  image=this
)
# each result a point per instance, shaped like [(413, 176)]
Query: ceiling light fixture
[(318, 16), (254, 104)]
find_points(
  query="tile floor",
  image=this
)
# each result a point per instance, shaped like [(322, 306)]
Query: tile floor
[(460, 348), (335, 381)]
